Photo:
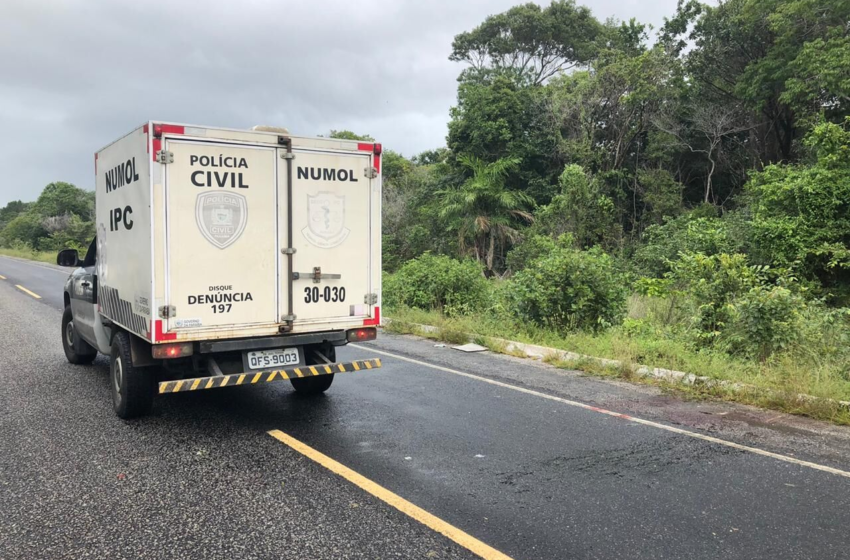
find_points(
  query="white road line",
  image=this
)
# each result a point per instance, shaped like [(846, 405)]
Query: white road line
[(42, 266), (650, 423)]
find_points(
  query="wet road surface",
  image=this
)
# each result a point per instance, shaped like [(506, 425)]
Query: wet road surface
[(529, 476)]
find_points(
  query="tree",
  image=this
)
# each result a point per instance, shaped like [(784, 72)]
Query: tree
[(25, 228), (801, 212), (529, 42), (61, 198), (12, 210), (766, 55), (706, 128), (484, 211), (348, 135), (580, 210), (498, 118)]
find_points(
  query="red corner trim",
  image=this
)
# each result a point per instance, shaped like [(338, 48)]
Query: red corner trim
[(169, 129), (95, 164), (159, 335), (159, 130), (375, 149), (375, 320)]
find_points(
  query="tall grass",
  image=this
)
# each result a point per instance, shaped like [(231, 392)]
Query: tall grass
[(30, 254), (653, 335)]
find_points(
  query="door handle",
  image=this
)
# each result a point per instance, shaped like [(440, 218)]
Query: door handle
[(317, 275)]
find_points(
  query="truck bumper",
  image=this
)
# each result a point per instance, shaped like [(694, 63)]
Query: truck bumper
[(250, 378)]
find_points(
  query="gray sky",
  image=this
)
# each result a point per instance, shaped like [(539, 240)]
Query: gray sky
[(76, 74)]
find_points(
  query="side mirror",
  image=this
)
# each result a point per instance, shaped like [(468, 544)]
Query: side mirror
[(68, 257)]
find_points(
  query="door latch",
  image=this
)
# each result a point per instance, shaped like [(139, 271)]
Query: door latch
[(317, 275)]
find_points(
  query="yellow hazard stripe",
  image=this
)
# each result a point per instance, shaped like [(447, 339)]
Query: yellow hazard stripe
[(200, 383)]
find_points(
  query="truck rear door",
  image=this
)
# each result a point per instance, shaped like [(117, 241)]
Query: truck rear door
[(331, 226), (222, 236)]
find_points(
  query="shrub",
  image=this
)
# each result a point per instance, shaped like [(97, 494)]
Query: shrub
[(765, 319), (686, 234), (711, 283), (570, 289), (799, 211), (581, 209), (531, 248), (437, 282)]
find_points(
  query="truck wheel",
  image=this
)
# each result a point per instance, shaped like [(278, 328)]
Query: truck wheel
[(315, 385), (132, 387), (77, 350)]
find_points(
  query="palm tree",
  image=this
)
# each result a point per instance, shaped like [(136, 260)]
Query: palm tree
[(482, 209)]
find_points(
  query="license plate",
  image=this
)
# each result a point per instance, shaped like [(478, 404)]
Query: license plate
[(263, 359)]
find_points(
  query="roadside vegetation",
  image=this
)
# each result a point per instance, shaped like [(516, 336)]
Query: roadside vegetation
[(683, 204), (681, 201), (62, 217)]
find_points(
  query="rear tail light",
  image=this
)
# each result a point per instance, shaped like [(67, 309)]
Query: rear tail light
[(361, 335), (169, 351)]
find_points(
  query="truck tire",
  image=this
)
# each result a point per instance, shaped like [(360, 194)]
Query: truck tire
[(132, 387), (316, 385), (77, 350)]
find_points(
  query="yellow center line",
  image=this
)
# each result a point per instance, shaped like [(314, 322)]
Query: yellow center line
[(2, 277), (33, 294), (431, 521)]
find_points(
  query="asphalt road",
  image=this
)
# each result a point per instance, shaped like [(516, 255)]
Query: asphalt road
[(500, 448)]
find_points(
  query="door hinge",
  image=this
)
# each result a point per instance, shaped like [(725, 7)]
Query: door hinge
[(287, 155), (164, 156), (288, 318), (289, 251), (370, 172), (167, 312), (370, 299)]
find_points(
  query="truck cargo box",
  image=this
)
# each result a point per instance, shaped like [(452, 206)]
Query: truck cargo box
[(211, 233)]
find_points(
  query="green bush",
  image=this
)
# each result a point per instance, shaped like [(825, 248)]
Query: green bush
[(531, 248), (710, 284), (765, 319), (570, 289), (437, 282), (800, 212), (691, 233)]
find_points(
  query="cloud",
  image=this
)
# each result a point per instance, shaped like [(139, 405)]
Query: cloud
[(79, 73)]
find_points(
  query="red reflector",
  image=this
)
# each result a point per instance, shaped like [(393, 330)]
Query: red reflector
[(168, 351), (361, 335)]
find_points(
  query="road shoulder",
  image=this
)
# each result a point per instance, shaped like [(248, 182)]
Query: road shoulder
[(773, 431)]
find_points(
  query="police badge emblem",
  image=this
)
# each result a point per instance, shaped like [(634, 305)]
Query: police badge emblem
[(326, 220), (221, 217)]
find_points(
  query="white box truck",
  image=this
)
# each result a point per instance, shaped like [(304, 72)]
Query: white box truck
[(226, 257)]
